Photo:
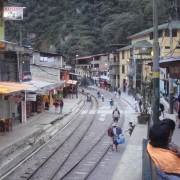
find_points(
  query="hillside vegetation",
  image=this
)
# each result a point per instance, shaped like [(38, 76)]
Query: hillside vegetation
[(82, 27)]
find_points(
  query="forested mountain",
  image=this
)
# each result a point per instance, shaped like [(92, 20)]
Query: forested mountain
[(82, 27)]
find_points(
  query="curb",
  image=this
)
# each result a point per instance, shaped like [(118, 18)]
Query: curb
[(17, 152)]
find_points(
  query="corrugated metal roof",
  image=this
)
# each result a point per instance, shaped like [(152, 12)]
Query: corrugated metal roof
[(175, 25), (166, 62), (138, 44), (87, 57)]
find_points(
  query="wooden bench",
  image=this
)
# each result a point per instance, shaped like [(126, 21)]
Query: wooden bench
[(148, 167)]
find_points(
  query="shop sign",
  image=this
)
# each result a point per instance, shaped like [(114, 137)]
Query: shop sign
[(175, 72), (30, 96), (23, 111), (15, 99), (19, 96), (43, 92), (13, 13)]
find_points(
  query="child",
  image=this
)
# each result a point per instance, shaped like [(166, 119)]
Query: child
[(130, 129), (111, 103)]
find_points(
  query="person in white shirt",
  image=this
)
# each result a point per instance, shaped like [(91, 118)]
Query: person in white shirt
[(136, 105)]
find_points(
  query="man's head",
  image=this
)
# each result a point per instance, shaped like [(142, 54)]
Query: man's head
[(171, 124), (160, 135)]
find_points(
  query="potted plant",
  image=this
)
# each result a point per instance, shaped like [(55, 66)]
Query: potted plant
[(145, 93)]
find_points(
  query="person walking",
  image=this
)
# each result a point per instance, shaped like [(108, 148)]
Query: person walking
[(99, 94), (56, 104), (140, 105), (116, 115), (114, 135), (136, 105), (119, 92), (61, 104), (115, 94), (111, 103), (102, 96), (76, 93), (161, 108), (46, 105)]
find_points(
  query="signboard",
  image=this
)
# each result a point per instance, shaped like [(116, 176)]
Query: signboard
[(42, 92), (13, 13), (175, 72), (15, 99), (30, 96), (23, 111)]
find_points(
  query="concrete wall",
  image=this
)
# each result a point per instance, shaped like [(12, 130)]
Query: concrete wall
[(53, 61), (45, 72), (7, 108)]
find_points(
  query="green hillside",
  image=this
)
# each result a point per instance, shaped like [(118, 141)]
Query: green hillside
[(82, 27)]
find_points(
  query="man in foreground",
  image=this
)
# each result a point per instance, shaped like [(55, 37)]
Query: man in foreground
[(165, 154)]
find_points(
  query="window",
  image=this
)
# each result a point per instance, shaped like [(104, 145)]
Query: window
[(151, 36), (123, 69), (123, 55), (160, 34), (174, 33), (96, 65), (131, 52)]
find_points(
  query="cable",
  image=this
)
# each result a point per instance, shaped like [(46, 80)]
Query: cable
[(171, 51), (46, 71)]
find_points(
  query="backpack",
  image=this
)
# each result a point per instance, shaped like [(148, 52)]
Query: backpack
[(110, 132), (118, 131), (116, 113)]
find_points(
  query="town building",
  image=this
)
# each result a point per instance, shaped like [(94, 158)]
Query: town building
[(135, 57)]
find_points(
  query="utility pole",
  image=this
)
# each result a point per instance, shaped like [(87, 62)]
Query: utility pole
[(134, 77), (20, 57), (171, 89), (155, 64), (176, 8)]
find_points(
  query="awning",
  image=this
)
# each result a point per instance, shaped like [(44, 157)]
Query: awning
[(71, 82), (9, 87), (39, 83), (164, 63)]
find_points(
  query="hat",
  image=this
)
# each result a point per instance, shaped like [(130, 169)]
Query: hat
[(114, 124)]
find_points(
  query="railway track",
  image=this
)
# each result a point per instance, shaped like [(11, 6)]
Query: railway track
[(73, 153)]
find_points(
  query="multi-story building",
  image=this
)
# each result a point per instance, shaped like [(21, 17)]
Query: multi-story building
[(94, 67), (139, 53)]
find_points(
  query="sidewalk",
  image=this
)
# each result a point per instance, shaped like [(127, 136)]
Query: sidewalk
[(130, 165), (27, 137)]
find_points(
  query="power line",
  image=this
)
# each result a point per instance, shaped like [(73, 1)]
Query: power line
[(46, 71)]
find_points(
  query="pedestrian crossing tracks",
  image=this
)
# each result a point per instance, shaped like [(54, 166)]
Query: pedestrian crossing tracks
[(102, 112)]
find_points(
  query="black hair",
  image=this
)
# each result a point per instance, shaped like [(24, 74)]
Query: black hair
[(170, 122), (159, 135)]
